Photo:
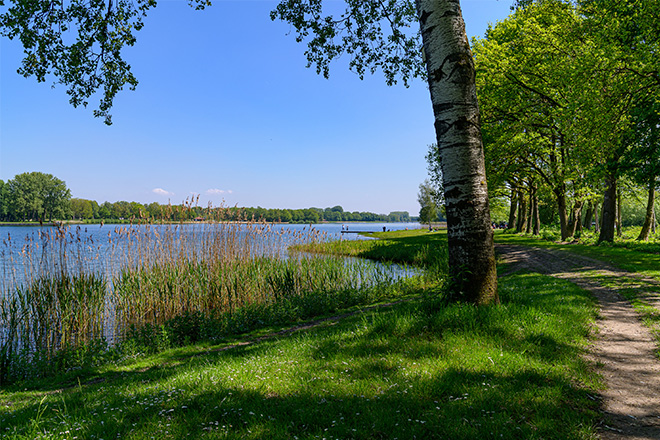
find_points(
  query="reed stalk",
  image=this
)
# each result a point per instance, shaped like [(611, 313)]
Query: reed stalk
[(76, 289)]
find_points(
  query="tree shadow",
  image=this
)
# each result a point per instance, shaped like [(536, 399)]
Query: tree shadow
[(367, 378)]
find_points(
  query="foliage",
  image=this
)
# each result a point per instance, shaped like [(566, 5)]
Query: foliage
[(375, 35), (92, 60), (567, 91), (35, 196), (428, 201)]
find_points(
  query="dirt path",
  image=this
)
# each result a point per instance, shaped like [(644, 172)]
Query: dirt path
[(624, 351)]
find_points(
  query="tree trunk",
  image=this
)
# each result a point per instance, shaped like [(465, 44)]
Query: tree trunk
[(618, 212), (563, 218), (576, 216), (522, 212), (596, 218), (609, 211), (537, 216), (653, 222), (512, 209), (589, 215), (451, 77), (578, 223), (646, 228), (530, 212)]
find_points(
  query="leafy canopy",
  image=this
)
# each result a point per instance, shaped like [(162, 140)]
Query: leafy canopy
[(79, 42)]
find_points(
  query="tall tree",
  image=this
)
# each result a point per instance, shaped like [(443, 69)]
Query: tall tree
[(451, 78), (428, 202), (38, 196)]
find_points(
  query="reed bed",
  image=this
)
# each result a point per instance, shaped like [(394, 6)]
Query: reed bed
[(78, 291)]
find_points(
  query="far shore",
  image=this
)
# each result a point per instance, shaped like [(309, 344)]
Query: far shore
[(186, 222)]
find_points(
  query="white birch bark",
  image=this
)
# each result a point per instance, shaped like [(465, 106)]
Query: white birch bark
[(451, 78)]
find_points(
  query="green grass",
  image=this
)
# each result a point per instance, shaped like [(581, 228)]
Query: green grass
[(415, 369), (412, 370), (418, 248), (626, 253)]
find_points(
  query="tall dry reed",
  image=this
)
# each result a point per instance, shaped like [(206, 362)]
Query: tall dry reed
[(76, 289)]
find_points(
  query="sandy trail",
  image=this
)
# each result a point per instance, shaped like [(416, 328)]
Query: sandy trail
[(624, 350)]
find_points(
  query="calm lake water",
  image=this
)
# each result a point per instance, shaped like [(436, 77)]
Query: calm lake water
[(27, 251)]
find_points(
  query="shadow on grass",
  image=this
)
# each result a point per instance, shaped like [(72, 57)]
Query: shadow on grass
[(414, 370)]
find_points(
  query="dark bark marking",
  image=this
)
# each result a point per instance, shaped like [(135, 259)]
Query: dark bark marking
[(460, 124), (440, 108), (424, 16), (462, 66), (450, 13)]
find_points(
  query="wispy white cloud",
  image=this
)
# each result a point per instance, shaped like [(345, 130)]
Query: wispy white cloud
[(162, 192), (215, 191)]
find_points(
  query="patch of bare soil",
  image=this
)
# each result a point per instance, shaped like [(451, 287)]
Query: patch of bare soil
[(624, 350)]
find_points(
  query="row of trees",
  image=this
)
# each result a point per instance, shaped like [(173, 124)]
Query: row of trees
[(570, 111), (82, 209), (42, 197)]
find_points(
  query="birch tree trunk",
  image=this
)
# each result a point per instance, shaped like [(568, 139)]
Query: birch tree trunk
[(451, 77)]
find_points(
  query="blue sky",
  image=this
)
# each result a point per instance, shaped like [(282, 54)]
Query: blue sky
[(226, 109)]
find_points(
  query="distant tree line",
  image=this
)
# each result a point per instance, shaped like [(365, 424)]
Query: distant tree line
[(82, 209), (41, 197)]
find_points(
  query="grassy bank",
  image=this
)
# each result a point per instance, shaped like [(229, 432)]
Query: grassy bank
[(410, 370), (417, 369), (417, 248)]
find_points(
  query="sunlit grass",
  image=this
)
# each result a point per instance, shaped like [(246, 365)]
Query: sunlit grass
[(413, 370), (418, 248)]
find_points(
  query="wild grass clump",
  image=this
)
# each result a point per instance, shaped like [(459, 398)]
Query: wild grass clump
[(155, 286), (210, 303), (43, 321), (416, 248)]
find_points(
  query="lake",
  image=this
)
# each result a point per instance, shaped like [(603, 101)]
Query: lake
[(27, 252), (66, 286)]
